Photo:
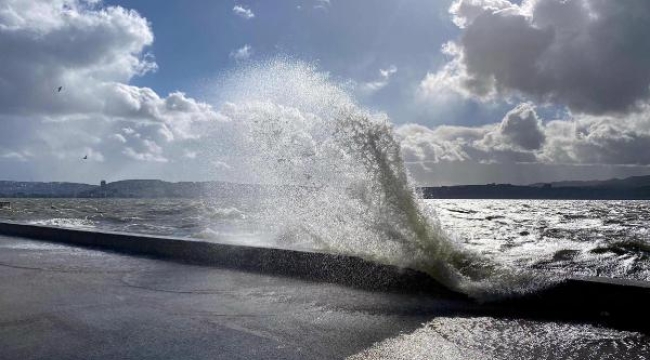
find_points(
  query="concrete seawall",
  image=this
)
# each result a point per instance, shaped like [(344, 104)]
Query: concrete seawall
[(617, 303), (341, 269)]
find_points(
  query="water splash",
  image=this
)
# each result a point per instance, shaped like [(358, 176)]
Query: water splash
[(339, 179)]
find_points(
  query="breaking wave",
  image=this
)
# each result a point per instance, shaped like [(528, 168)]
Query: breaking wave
[(339, 179)]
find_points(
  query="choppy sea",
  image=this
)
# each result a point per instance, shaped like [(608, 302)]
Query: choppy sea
[(584, 238)]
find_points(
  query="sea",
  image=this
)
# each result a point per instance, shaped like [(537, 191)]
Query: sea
[(565, 237)]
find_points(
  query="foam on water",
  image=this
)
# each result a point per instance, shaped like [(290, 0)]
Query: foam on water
[(489, 338), (340, 180), (66, 223)]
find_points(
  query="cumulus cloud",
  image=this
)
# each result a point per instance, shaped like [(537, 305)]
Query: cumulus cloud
[(119, 137), (191, 154), (151, 151), (243, 12), (522, 137), (243, 53), (323, 4), (221, 165), (384, 78), (494, 143), (88, 153), (74, 44), (599, 140), (65, 89), (590, 55), (13, 155), (521, 128)]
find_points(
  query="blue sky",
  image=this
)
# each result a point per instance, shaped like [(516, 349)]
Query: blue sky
[(352, 40), (478, 91)]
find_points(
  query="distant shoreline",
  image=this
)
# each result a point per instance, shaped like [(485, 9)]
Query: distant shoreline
[(633, 188), (535, 193)]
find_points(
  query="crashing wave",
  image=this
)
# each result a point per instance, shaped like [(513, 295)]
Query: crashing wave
[(340, 181)]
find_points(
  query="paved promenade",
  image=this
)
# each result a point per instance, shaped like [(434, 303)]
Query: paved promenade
[(63, 302), (60, 301)]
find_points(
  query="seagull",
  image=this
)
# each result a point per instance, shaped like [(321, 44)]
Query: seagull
[(60, 88)]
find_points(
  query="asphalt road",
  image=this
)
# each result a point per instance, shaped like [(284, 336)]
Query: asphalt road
[(64, 302)]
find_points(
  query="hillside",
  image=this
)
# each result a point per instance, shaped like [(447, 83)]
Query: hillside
[(632, 188), (637, 187)]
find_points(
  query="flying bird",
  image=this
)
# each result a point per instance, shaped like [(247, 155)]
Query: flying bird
[(60, 88), (85, 157)]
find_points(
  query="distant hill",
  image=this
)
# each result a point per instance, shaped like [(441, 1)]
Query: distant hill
[(164, 189), (634, 181), (632, 188), (637, 187), (124, 189), (42, 189)]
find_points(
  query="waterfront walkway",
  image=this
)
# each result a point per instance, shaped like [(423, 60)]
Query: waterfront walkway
[(218, 301), (64, 302)]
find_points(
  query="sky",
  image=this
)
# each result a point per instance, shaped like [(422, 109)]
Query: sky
[(478, 91)]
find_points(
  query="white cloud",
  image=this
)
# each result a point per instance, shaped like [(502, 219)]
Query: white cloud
[(599, 140), (243, 12), (150, 152), (220, 165), (322, 4), (585, 54), (464, 12), (91, 52), (13, 155), (522, 137), (453, 80), (243, 53), (384, 78), (78, 154), (119, 137)]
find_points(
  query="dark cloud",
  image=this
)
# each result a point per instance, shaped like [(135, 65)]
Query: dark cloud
[(521, 127), (591, 55)]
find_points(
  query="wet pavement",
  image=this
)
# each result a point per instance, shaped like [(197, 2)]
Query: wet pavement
[(64, 302)]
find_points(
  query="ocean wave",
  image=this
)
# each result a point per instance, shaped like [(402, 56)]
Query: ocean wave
[(351, 192)]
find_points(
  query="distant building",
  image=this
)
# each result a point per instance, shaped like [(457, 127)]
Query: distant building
[(102, 183)]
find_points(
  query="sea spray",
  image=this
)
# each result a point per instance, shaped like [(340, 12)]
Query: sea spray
[(339, 181)]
